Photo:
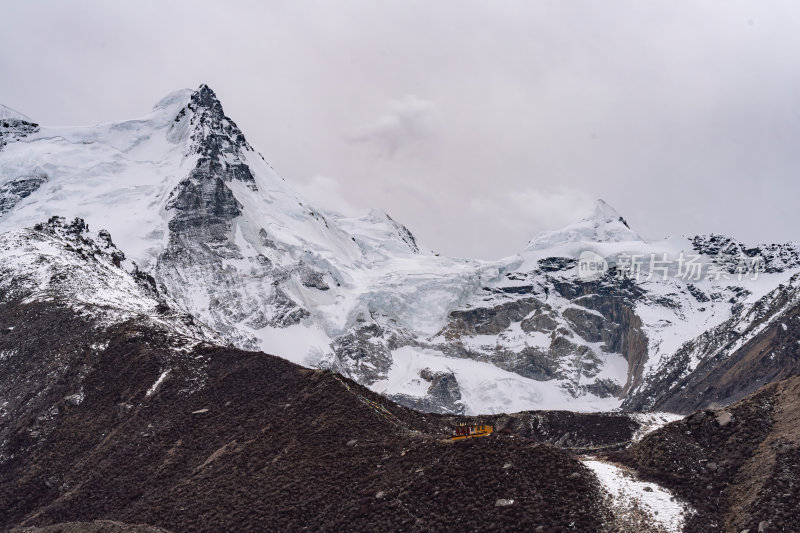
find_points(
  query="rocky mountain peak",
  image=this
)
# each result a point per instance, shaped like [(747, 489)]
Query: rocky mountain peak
[(207, 98), (217, 138)]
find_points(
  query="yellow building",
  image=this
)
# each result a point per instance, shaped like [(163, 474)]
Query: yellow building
[(468, 431)]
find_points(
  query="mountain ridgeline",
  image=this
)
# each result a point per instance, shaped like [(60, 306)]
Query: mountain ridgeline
[(223, 236)]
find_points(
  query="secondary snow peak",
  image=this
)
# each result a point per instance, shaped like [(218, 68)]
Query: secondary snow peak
[(8, 113), (602, 224), (602, 212)]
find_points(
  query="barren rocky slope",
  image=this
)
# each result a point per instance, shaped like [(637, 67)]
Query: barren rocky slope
[(265, 442), (739, 467)]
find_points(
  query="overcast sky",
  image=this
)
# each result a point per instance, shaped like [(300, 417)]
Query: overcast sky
[(476, 125)]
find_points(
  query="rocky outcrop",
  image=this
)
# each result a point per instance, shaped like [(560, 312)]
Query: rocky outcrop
[(363, 353), (490, 320), (442, 395), (737, 258), (567, 326), (756, 346), (14, 129), (19, 188)]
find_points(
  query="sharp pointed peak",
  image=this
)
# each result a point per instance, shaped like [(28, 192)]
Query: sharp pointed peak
[(602, 212), (204, 96), (601, 224), (12, 114)]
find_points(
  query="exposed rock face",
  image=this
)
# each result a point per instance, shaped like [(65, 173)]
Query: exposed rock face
[(202, 241), (14, 129), (732, 360), (19, 187), (442, 395), (15, 190), (490, 320), (730, 253), (363, 354), (589, 314)]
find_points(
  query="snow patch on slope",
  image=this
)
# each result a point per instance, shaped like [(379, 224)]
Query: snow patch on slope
[(115, 176), (485, 388), (650, 422), (627, 493)]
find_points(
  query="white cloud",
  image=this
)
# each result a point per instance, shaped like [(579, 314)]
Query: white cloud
[(529, 211), (408, 122), (325, 193)]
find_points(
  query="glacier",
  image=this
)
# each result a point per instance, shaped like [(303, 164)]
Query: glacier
[(191, 202)]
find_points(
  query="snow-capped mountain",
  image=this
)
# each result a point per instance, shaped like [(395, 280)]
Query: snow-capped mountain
[(189, 201)]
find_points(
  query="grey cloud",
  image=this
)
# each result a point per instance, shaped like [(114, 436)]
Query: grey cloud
[(408, 122), (684, 116)]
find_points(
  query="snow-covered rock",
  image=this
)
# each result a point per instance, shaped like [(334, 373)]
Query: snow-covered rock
[(191, 202), (6, 113), (65, 263), (602, 224)]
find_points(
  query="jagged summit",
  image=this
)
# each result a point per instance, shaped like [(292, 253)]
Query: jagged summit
[(9, 113), (203, 96), (602, 224), (206, 97), (214, 134), (603, 213)]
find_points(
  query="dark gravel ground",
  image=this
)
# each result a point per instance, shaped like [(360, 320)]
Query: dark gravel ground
[(262, 445), (244, 441), (739, 467)]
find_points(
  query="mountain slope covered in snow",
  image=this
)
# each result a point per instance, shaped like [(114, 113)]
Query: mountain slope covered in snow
[(190, 202)]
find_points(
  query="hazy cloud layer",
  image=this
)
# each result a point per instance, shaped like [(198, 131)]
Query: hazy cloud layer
[(476, 124), (408, 123)]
